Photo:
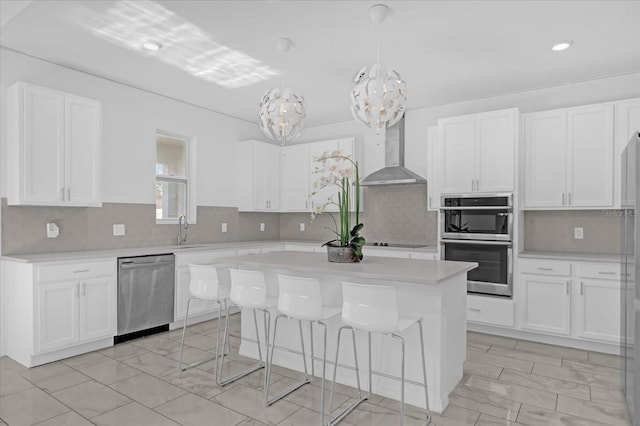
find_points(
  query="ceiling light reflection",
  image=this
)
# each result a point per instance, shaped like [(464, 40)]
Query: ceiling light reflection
[(134, 23)]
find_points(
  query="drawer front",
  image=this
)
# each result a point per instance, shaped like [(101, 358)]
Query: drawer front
[(202, 258), (545, 267), (600, 271), (422, 255), (490, 310), (71, 271)]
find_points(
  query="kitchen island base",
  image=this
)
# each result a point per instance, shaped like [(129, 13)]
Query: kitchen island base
[(441, 304)]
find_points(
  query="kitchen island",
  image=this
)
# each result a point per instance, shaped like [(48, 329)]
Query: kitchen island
[(435, 290)]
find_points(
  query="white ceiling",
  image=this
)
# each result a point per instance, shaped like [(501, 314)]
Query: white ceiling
[(446, 51)]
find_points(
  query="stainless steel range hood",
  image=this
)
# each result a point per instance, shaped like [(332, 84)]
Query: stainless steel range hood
[(394, 172)]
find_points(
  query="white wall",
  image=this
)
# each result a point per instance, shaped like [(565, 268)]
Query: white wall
[(130, 118)]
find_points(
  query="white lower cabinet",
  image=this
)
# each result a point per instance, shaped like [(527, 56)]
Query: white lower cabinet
[(490, 310), (576, 299), (547, 303), (59, 309)]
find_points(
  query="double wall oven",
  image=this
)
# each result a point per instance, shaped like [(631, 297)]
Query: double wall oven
[(479, 228)]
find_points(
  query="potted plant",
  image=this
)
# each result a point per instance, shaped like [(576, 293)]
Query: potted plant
[(335, 169)]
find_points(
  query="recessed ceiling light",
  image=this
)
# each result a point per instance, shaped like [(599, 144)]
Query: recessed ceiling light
[(152, 45), (562, 46)]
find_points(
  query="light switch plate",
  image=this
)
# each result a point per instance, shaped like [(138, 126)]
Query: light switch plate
[(52, 230), (578, 233), (302, 227), (224, 227), (262, 227), (118, 230)]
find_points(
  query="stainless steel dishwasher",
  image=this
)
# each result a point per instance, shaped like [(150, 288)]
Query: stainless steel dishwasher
[(146, 288)]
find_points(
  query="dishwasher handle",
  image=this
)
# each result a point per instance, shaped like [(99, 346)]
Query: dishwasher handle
[(132, 265)]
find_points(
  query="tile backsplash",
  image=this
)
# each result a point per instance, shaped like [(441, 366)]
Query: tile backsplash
[(554, 231), (91, 228), (392, 214)]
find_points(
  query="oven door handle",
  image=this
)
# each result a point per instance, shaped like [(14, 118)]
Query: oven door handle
[(485, 243), (507, 209)]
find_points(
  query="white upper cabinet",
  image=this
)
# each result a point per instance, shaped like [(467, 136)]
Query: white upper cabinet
[(258, 176), (322, 196), (434, 169), (478, 152), (294, 183), (54, 148), (568, 158), (627, 121)]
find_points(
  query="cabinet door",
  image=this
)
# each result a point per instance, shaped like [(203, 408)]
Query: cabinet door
[(545, 153), (82, 151), (457, 144), (43, 155), (495, 151), (599, 310), (56, 315), (590, 150), (266, 176), (547, 303), (627, 121), (434, 169), (322, 196), (294, 184), (97, 308)]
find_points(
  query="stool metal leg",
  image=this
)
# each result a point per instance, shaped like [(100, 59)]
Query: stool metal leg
[(225, 381), (395, 336), (324, 369), (370, 366), (313, 361), (424, 373), (360, 398), (270, 364), (184, 331)]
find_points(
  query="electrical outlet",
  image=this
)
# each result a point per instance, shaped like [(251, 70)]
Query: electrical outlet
[(118, 230), (302, 227), (52, 230), (578, 233), (262, 227), (224, 227)]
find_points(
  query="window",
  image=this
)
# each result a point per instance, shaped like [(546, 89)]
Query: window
[(172, 177)]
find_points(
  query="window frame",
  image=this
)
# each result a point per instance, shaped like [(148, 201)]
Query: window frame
[(188, 179)]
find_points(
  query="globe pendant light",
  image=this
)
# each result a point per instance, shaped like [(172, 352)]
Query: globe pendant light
[(378, 93), (282, 112)]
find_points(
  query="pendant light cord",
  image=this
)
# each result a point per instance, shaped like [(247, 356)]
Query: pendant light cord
[(378, 42)]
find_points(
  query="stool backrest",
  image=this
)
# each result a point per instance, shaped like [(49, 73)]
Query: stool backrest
[(248, 288), (299, 297), (203, 283), (370, 307)]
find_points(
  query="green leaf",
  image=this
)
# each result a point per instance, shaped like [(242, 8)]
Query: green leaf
[(358, 241), (356, 229)]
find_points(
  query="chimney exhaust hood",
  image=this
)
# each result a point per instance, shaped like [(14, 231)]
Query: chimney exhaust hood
[(394, 172)]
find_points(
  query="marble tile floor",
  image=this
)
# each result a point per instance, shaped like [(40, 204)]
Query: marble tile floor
[(506, 382)]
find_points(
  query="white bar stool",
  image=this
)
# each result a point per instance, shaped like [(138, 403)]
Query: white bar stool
[(204, 285), (374, 309), (249, 291), (300, 299)]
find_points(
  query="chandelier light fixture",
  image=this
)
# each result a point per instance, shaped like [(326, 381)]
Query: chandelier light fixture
[(378, 93), (282, 112)]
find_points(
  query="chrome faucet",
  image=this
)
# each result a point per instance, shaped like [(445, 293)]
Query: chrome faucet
[(182, 239)]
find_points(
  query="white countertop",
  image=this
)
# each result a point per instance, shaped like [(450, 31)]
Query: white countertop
[(381, 268), (581, 257), (187, 248)]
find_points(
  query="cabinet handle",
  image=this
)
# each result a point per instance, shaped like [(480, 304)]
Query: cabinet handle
[(473, 185), (606, 273), (78, 290), (81, 270), (563, 198), (68, 194), (569, 198), (84, 289), (475, 310), (568, 285), (545, 269), (477, 184), (62, 193), (429, 202), (581, 288)]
